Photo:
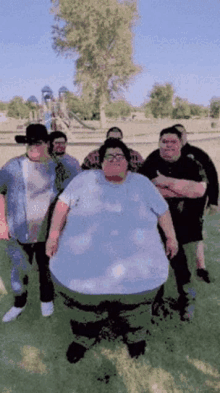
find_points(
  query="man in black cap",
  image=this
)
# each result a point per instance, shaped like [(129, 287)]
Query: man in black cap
[(29, 186)]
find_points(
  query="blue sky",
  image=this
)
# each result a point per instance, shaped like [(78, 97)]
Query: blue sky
[(175, 41)]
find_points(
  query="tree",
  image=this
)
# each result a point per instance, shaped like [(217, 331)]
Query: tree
[(196, 110), (18, 109), (181, 109), (147, 110), (85, 109), (3, 106), (161, 100), (118, 108), (100, 34), (215, 107)]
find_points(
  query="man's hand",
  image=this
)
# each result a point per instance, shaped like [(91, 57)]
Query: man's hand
[(160, 180), (51, 246), (211, 210), (4, 232), (171, 247)]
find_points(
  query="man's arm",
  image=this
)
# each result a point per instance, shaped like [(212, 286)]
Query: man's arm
[(181, 187), (57, 223), (165, 222), (4, 232)]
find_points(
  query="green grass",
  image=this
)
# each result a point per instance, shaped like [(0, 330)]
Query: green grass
[(180, 357)]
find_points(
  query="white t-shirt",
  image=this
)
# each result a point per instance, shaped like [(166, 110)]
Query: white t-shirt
[(39, 181), (111, 244)]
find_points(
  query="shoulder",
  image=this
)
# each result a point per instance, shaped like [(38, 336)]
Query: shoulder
[(70, 160), (153, 157), (13, 163), (139, 180), (195, 152), (93, 153), (135, 153)]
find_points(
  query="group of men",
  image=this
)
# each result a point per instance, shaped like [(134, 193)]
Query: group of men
[(30, 184)]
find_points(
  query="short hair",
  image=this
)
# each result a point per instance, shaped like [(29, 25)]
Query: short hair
[(57, 134), (179, 125), (171, 130), (114, 143), (114, 129)]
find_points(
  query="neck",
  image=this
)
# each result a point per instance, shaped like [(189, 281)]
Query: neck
[(170, 159), (116, 179), (59, 154), (41, 159)]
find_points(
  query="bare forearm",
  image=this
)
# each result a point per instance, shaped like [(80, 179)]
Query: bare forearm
[(167, 193), (185, 188), (2, 209), (166, 223), (58, 219)]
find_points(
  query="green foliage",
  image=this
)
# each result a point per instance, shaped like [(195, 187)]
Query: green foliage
[(161, 100), (99, 33), (197, 110), (181, 109), (3, 106), (147, 110), (118, 108), (215, 108), (18, 109), (84, 109)]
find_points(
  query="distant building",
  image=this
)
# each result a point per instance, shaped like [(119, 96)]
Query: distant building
[(47, 94), (33, 99)]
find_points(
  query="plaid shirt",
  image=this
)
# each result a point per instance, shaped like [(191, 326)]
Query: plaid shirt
[(92, 160)]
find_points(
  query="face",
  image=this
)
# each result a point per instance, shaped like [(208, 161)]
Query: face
[(115, 134), (115, 163), (59, 145), (170, 147), (38, 151)]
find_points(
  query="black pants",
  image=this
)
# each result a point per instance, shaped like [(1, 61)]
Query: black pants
[(46, 285), (96, 317)]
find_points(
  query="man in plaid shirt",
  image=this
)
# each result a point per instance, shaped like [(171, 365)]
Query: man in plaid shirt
[(91, 161)]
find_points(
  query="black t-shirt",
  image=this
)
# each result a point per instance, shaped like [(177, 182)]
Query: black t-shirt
[(197, 154), (186, 212), (212, 177)]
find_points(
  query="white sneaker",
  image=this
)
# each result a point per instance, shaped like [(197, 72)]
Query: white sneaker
[(12, 314), (47, 308)]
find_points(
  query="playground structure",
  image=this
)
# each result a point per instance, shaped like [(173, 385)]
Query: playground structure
[(53, 113)]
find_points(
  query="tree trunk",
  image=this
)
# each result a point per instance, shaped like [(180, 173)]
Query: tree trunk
[(103, 120)]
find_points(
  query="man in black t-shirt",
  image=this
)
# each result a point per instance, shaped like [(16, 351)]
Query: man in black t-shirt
[(182, 182), (212, 195)]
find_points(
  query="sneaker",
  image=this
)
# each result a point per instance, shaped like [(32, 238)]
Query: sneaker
[(47, 308), (203, 274), (75, 352), (136, 349), (12, 314)]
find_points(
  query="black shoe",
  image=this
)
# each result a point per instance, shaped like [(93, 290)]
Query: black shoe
[(75, 352), (136, 349), (204, 275)]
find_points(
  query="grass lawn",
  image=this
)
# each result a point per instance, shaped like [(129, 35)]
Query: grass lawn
[(180, 356)]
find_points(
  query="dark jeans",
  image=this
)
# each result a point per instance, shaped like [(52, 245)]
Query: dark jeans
[(96, 317), (46, 285)]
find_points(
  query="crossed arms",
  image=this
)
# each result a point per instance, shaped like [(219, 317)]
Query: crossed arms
[(179, 188)]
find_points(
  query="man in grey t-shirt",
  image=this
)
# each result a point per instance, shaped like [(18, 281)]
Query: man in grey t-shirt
[(29, 187)]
